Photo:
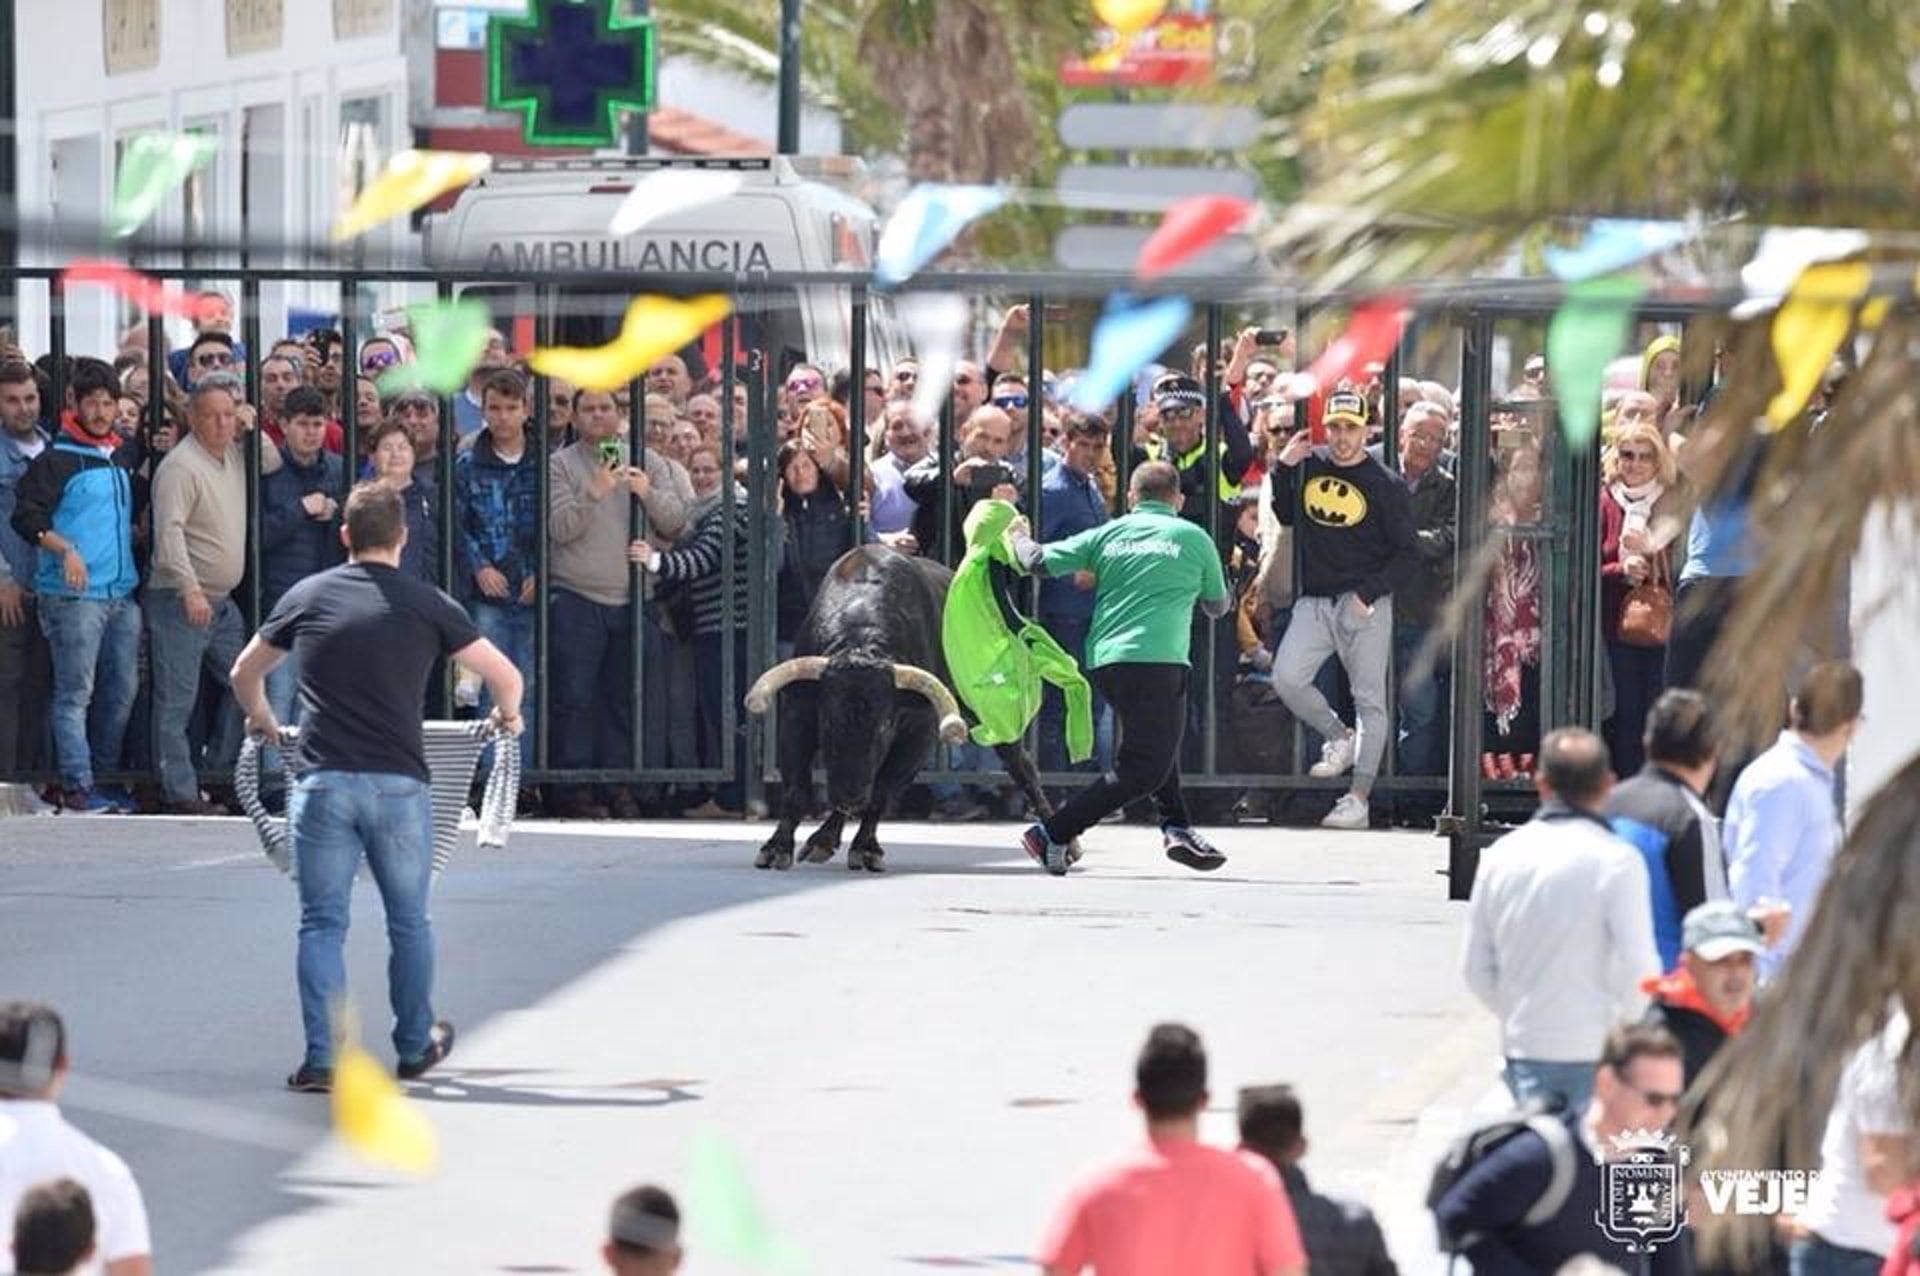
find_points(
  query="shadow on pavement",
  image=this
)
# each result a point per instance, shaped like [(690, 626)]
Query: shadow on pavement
[(169, 949)]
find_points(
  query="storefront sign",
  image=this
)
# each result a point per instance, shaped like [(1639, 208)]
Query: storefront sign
[(132, 29), (255, 26), (354, 19)]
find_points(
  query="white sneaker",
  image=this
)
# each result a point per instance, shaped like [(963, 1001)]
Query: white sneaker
[(1349, 812), (1336, 758)]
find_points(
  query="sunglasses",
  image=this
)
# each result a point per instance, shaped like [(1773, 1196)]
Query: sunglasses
[(1010, 402), (906, 374), (218, 360), (379, 359), (804, 384), (1636, 456)]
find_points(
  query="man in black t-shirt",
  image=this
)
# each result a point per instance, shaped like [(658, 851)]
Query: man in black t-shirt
[(367, 638)]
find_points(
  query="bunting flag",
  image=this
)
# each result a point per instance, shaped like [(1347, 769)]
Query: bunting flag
[(1587, 331), (410, 179), (928, 219), (936, 324), (143, 291), (1130, 335), (374, 1119), (1371, 336), (670, 191), (724, 1214), (653, 326), (154, 164), (1782, 255), (1809, 326), (1186, 230), (1613, 244), (449, 338)]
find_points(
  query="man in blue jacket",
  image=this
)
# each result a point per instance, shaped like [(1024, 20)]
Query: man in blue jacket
[(496, 511), (26, 673), (299, 522), (75, 506)]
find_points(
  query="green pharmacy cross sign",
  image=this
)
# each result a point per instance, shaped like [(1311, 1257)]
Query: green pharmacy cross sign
[(570, 67)]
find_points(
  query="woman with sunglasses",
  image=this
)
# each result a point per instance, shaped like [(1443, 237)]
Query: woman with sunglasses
[(1639, 525)]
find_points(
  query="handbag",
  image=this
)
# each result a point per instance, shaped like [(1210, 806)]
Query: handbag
[(1646, 613)]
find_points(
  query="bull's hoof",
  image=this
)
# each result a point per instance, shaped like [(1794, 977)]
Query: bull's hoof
[(775, 855), (868, 858), (1073, 851), (819, 850)]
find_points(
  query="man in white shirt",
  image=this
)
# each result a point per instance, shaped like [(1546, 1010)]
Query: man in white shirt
[(892, 509), (37, 1144), (1560, 928), (1867, 1151)]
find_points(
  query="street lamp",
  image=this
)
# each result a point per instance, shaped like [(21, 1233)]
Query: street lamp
[(789, 77)]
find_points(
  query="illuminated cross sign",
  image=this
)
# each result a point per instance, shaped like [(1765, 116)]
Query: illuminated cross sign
[(570, 67)]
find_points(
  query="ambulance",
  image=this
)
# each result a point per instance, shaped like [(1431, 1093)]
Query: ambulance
[(790, 214)]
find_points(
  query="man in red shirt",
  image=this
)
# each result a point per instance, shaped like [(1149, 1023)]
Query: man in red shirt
[(1175, 1205)]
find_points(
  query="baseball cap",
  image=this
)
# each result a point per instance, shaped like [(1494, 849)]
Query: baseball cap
[(1177, 392), (1347, 406), (1720, 928)]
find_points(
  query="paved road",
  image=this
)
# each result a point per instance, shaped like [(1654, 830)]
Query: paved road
[(911, 1065)]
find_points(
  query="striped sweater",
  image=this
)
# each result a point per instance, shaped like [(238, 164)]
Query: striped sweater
[(697, 562)]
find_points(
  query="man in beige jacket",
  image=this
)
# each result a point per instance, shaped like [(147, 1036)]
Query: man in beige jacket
[(199, 556), (592, 490)]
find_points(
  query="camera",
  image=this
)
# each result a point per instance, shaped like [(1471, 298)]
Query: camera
[(1270, 337)]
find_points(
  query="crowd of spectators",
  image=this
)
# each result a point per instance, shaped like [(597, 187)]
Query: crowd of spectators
[(132, 568)]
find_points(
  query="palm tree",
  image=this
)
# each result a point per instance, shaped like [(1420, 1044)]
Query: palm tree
[(962, 88), (1449, 132)]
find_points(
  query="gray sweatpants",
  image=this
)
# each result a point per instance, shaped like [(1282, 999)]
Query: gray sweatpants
[(1322, 627)]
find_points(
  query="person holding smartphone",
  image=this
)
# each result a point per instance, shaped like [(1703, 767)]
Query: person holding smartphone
[(592, 486)]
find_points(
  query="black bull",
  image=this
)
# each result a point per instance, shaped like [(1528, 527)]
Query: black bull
[(866, 692)]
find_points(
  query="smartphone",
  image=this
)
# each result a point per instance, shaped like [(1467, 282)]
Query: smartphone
[(612, 452), (987, 477), (1270, 337)]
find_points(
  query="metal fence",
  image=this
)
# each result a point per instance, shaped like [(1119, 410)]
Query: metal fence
[(1473, 805)]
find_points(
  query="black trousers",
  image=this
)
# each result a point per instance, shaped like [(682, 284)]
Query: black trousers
[(1150, 714)]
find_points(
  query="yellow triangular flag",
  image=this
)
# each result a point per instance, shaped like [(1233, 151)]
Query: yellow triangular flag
[(654, 326), (410, 179), (1809, 326), (373, 1117)]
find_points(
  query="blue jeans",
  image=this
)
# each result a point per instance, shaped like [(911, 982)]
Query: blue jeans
[(1813, 1256), (335, 817), (510, 628), (96, 673), (1424, 709), (181, 651), (1538, 1078), (590, 719)]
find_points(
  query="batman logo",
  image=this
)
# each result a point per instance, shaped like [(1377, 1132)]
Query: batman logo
[(1333, 502)]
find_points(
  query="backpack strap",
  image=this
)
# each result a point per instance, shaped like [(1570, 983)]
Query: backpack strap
[(1559, 1143)]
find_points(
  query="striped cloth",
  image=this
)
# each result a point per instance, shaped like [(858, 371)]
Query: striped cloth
[(453, 749)]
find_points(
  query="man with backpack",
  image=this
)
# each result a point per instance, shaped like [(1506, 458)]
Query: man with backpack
[(1560, 927), (1524, 1194)]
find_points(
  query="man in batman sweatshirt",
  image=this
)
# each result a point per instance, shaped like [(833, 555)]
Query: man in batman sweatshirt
[(1353, 518)]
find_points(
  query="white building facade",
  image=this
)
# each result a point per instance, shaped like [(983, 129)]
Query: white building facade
[(303, 97)]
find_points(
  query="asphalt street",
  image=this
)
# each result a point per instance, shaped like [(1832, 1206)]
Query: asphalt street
[(912, 1066)]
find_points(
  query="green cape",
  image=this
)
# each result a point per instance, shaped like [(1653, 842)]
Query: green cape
[(998, 658)]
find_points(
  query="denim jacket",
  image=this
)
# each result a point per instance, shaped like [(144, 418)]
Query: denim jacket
[(16, 555)]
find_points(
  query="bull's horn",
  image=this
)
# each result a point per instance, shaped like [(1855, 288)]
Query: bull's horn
[(953, 728), (799, 669)]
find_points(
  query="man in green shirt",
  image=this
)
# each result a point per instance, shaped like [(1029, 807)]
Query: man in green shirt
[(1149, 568)]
